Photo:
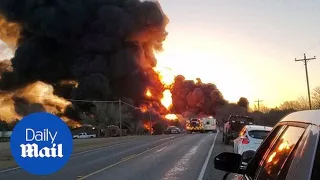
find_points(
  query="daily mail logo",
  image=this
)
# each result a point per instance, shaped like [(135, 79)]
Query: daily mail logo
[(41, 143), (32, 150)]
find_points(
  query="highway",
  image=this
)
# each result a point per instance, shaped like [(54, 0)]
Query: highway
[(163, 157)]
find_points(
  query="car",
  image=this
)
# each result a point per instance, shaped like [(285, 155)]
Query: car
[(233, 126), (84, 136), (290, 151), (250, 138), (172, 130)]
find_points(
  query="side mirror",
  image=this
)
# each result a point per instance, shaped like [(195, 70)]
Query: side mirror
[(229, 162), (247, 156)]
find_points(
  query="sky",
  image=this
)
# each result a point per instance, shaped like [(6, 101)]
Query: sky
[(246, 47)]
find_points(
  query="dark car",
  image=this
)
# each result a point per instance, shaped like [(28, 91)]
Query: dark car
[(290, 151), (233, 127), (172, 130)]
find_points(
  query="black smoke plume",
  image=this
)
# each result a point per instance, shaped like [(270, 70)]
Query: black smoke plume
[(195, 98), (107, 46)]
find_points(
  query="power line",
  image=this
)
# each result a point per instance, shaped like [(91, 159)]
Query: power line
[(312, 46), (305, 60), (130, 105)]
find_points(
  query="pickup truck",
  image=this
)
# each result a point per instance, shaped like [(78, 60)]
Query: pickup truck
[(233, 127), (84, 136)]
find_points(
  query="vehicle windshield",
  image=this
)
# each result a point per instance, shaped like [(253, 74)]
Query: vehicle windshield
[(147, 89), (258, 134)]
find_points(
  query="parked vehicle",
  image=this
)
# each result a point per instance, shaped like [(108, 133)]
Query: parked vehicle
[(172, 130), (250, 138), (210, 124), (290, 151), (195, 125), (84, 136), (233, 127), (113, 131)]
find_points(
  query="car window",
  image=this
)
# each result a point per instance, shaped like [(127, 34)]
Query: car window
[(279, 153), (258, 134), (254, 163)]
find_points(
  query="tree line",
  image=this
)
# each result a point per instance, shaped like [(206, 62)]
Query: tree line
[(271, 116), (265, 115), (7, 126)]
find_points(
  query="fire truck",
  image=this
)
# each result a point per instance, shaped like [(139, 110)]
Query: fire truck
[(195, 125)]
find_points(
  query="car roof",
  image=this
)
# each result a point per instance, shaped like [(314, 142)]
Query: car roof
[(258, 127), (306, 116)]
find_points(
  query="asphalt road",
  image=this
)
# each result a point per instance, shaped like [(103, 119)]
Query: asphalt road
[(165, 157)]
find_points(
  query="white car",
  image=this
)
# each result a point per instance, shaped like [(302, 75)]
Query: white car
[(84, 136), (250, 138)]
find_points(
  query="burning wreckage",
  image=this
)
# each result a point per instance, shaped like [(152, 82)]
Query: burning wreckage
[(67, 51)]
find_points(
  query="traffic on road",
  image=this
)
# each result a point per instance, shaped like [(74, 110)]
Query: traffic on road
[(258, 152)]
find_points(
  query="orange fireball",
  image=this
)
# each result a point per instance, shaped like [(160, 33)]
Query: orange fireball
[(166, 101), (148, 93), (171, 117)]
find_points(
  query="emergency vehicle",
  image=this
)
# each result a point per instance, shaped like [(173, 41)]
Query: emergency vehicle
[(195, 125)]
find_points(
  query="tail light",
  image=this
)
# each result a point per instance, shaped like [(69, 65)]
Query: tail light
[(245, 140)]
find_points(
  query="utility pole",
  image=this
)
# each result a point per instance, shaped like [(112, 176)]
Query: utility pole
[(150, 121), (258, 101), (305, 60), (120, 121)]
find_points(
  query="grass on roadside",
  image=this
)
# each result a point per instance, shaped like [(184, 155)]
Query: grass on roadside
[(7, 161)]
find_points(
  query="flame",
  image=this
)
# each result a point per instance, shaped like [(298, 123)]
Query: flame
[(70, 122), (166, 101), (148, 93), (33, 94), (144, 108), (147, 126), (69, 82), (166, 76), (171, 117)]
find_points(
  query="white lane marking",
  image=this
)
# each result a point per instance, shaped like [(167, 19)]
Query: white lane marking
[(112, 145), (161, 149), (182, 164), (11, 169), (97, 149), (204, 167), (88, 151)]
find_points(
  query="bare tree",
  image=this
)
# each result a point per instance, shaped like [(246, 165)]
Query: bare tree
[(299, 104), (108, 114), (262, 108), (316, 97), (303, 103)]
